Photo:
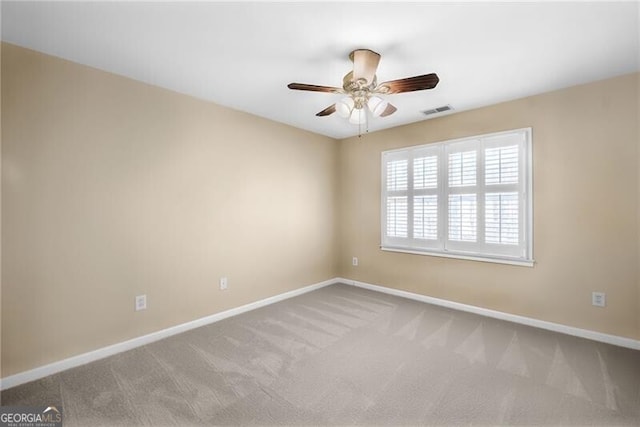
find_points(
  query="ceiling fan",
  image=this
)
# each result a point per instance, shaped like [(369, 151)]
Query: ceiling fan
[(362, 89)]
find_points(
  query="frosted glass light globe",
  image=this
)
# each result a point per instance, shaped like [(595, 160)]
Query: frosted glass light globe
[(358, 116), (377, 105), (344, 107)]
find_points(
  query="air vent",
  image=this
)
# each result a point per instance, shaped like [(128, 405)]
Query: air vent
[(438, 110)]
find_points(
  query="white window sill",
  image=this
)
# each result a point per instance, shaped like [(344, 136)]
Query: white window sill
[(510, 261)]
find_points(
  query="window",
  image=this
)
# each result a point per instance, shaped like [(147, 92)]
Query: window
[(468, 198)]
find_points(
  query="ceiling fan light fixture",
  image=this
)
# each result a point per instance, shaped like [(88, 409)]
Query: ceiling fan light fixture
[(358, 116), (344, 107), (361, 89), (377, 105)]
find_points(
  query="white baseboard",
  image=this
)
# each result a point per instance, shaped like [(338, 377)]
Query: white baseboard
[(101, 353), (542, 324)]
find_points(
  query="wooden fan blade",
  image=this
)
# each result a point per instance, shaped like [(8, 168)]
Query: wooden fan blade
[(329, 110), (365, 64), (314, 88), (410, 84), (388, 111)]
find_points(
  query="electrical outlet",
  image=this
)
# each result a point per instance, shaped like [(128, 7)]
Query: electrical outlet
[(354, 261), (599, 299), (141, 302), (223, 283)]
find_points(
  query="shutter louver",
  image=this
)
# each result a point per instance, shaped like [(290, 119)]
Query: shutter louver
[(501, 165), (425, 172), (425, 217), (462, 169), (397, 216), (462, 217), (501, 218), (397, 175)]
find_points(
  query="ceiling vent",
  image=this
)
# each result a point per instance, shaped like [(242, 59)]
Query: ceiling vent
[(438, 110)]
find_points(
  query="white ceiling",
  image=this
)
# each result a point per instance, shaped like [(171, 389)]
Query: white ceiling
[(243, 55)]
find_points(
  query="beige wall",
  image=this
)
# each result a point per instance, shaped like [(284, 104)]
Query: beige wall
[(638, 172), (585, 154), (112, 188)]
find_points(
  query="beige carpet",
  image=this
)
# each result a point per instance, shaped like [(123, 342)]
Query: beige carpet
[(343, 355)]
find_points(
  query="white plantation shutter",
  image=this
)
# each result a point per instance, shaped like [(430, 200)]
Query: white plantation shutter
[(468, 198), (505, 195), (463, 201), (425, 198), (396, 214)]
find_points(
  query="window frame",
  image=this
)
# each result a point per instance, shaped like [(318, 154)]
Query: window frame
[(442, 246)]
